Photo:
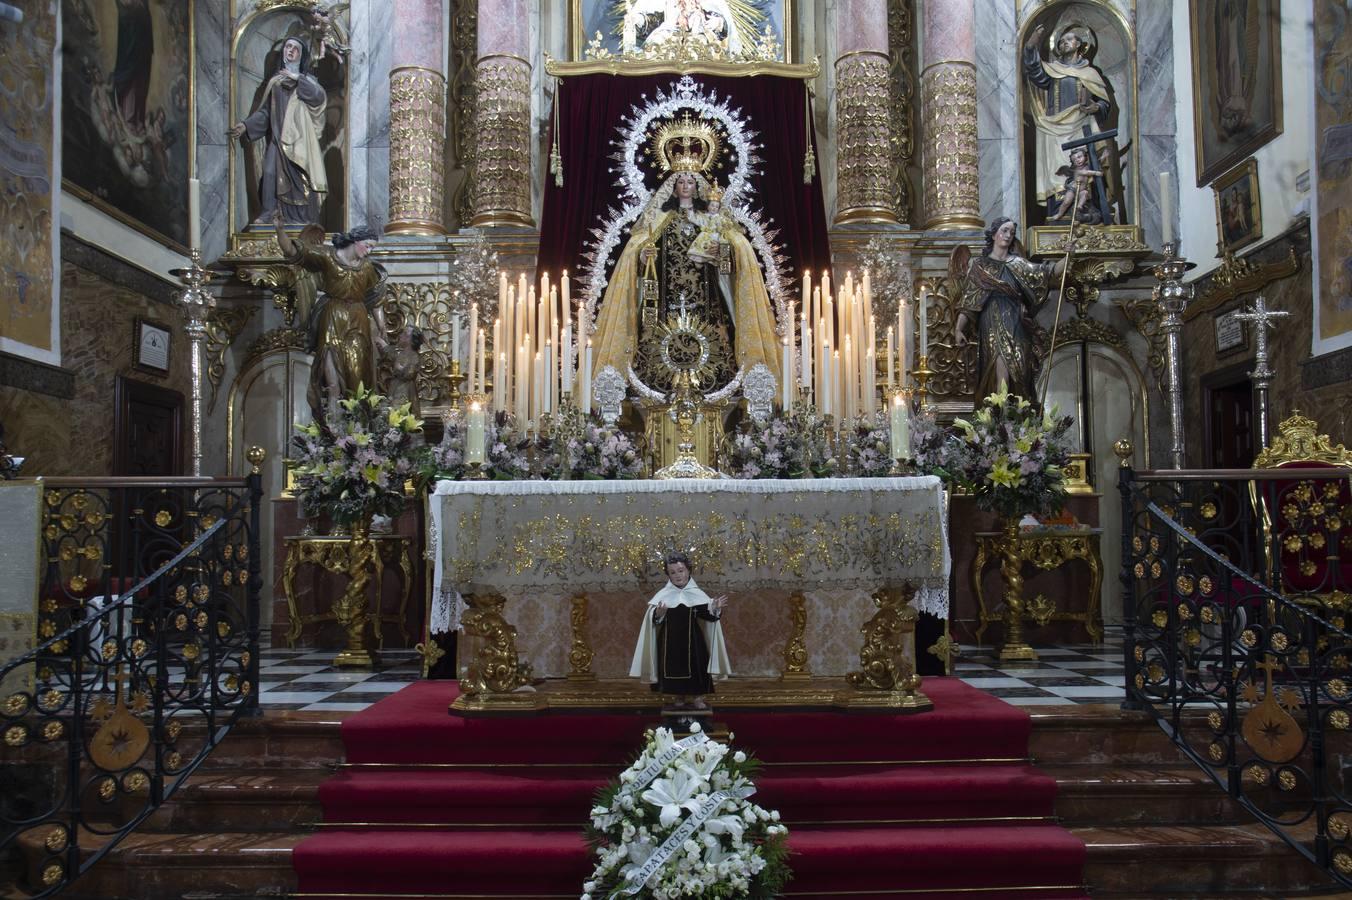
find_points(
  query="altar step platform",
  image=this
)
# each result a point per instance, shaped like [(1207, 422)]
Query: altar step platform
[(977, 799)]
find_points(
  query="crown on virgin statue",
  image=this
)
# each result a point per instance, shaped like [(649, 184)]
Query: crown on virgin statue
[(685, 145)]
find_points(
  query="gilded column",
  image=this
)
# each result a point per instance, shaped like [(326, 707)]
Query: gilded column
[(865, 171), (502, 163), (952, 194), (417, 119)]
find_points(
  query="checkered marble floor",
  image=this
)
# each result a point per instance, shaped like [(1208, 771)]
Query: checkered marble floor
[(1069, 674)]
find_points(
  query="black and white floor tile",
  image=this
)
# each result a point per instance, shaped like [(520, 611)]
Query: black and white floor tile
[(306, 679)]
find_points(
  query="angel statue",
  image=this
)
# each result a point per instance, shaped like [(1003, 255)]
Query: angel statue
[(329, 31), (1001, 291), (658, 276), (340, 321)]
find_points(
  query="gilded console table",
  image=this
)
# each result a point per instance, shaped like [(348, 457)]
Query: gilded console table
[(331, 553), (1047, 549)]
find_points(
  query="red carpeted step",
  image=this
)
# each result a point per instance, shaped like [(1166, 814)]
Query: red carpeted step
[(459, 797), (935, 858), (415, 726), (496, 863)]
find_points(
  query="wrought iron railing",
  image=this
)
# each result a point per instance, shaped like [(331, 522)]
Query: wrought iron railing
[(1235, 594), (148, 623)]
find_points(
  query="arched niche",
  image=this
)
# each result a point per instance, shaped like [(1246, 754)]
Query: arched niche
[(267, 400), (1115, 58), (255, 53), (1102, 387)]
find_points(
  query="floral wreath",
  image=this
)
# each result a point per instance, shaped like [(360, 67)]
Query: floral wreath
[(637, 197)]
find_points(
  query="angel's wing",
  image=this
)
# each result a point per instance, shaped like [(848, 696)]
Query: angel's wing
[(959, 261)]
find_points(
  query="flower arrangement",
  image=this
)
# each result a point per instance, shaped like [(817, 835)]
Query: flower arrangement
[(792, 446), (868, 448), (355, 465), (678, 823), (1008, 455), (507, 451), (602, 452)]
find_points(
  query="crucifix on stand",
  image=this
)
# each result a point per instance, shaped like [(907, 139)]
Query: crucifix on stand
[(1262, 319)]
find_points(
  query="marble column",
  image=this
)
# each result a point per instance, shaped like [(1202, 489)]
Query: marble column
[(865, 191), (502, 163), (948, 134), (417, 119)]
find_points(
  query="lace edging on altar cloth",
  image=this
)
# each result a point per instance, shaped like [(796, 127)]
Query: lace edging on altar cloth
[(932, 600), (447, 608), (687, 485)]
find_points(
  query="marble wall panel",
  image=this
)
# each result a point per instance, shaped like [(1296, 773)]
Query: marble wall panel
[(377, 185), (213, 167), (997, 110), (358, 83), (1157, 155), (211, 36), (358, 190)]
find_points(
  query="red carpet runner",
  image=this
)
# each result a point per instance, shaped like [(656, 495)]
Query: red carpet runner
[(938, 805)]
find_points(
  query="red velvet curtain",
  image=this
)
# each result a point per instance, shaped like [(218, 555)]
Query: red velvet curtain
[(591, 110)]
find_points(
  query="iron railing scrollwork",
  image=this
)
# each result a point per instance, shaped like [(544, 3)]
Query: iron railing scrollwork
[(1235, 597), (148, 629)]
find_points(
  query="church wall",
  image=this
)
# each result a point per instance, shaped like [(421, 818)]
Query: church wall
[(211, 67), (62, 419), (1283, 163)]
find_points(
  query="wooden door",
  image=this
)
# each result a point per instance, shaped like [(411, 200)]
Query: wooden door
[(1229, 425), (147, 429)]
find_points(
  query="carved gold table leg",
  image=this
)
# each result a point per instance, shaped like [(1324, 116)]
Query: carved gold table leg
[(349, 609), (580, 653), (795, 651), (293, 553), (1011, 567), (496, 673), (887, 676)]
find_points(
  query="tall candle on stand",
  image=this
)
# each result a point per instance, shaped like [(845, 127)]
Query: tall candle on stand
[(479, 354), (585, 378), (566, 363), (901, 432), (806, 352), (922, 311), (786, 377), (473, 347), (1166, 208), (499, 379), (194, 214)]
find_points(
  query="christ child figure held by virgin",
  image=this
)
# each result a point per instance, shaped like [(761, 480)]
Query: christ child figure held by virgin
[(709, 246), (680, 647)]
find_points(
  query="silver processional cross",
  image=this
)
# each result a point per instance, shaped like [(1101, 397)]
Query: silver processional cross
[(1262, 319)]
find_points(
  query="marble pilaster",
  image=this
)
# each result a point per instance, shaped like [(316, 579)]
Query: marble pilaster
[(997, 113), (865, 189), (948, 88), (502, 169), (417, 119)]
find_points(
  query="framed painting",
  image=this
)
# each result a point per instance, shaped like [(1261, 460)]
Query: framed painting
[(128, 128), (1236, 80), (1239, 215), (735, 29), (1232, 335), (1331, 159)]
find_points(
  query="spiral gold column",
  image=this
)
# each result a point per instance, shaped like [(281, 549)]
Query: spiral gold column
[(865, 191), (949, 150), (417, 150), (502, 150)]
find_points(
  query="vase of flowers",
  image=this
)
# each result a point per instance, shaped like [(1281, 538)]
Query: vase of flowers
[(868, 448), (786, 446), (601, 452), (351, 468), (507, 450), (1011, 458), (679, 822)]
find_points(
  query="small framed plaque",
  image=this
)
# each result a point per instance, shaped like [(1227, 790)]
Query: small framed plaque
[(1232, 334), (150, 346)]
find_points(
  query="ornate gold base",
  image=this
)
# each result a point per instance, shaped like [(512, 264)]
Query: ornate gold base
[(856, 215), (1018, 653), (499, 218), (355, 659), (954, 223), (424, 227), (515, 702), (901, 701), (796, 677)]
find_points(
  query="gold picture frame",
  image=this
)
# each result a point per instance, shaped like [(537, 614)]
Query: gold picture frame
[(1234, 116), (586, 17), (1239, 211)]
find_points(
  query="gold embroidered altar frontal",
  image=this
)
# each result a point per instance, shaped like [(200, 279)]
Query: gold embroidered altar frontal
[(606, 536), (550, 579)]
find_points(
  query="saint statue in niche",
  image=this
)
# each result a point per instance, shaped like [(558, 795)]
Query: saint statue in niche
[(1069, 99), (290, 120), (658, 276)]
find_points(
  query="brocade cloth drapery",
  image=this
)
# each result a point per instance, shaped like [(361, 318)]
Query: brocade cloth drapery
[(533, 539)]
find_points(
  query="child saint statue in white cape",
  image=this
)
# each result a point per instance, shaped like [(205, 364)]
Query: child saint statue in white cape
[(680, 644)]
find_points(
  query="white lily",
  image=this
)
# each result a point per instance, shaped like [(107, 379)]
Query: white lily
[(726, 824), (671, 795)]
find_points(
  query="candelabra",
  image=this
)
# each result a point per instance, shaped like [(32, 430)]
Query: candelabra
[(457, 378), (196, 304), (1173, 296), (922, 374)]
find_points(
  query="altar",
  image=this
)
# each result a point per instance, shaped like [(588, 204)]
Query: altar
[(550, 579)]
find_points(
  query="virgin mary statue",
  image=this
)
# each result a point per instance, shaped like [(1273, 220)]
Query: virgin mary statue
[(660, 274)]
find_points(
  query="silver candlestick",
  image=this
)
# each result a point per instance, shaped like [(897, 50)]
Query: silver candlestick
[(196, 304), (1262, 319), (1173, 297)]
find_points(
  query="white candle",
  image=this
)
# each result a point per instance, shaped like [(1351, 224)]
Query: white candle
[(474, 434), (900, 436), (586, 379), (1166, 207), (473, 336), (549, 378), (922, 310), (194, 214), (455, 338), (565, 288), (479, 354), (537, 405), (805, 351), (851, 390), (891, 357), (497, 369), (500, 383), (786, 377), (566, 367)]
